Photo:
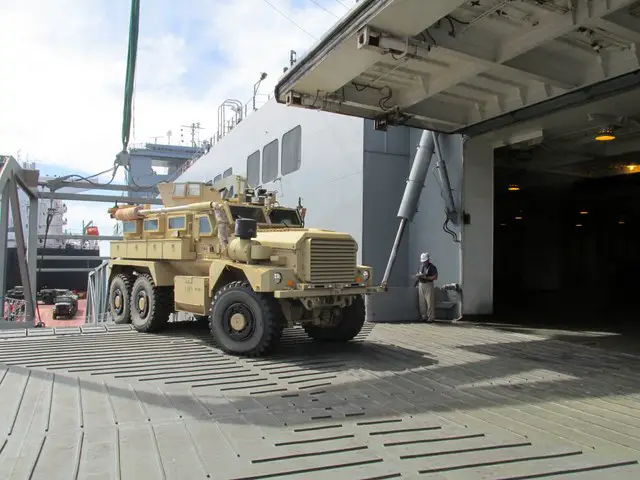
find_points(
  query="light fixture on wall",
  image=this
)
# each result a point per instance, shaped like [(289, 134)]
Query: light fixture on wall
[(513, 188), (605, 135), (631, 168)]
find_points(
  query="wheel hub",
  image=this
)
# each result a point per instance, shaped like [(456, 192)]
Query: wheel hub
[(142, 304), (238, 321), (118, 302)]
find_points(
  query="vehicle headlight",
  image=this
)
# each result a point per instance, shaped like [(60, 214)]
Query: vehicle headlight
[(365, 275), (277, 277)]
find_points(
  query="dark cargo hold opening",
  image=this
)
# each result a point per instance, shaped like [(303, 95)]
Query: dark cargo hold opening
[(566, 249)]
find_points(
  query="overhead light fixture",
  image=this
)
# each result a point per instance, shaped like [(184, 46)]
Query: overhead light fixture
[(605, 135), (584, 212), (518, 218), (620, 222), (513, 188), (578, 224)]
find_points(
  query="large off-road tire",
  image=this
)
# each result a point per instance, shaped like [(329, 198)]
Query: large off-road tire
[(151, 306), (120, 298), (349, 324), (244, 322)]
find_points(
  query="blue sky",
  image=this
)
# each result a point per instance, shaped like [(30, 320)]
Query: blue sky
[(62, 102)]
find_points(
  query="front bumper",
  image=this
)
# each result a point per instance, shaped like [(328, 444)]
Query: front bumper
[(306, 291)]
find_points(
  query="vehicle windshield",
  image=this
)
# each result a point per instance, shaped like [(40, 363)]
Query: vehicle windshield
[(285, 216), (244, 211), (63, 300)]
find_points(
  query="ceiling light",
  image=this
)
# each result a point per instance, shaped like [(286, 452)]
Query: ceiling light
[(578, 224), (620, 222), (584, 212), (518, 218), (513, 188), (605, 135)]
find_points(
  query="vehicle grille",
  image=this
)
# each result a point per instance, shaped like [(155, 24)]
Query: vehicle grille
[(332, 260)]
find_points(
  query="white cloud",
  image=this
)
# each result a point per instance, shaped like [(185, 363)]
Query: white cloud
[(63, 66)]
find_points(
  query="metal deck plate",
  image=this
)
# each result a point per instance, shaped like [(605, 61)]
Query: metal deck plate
[(404, 401)]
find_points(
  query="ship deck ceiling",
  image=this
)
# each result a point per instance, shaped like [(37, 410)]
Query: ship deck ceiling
[(470, 66), (402, 401)]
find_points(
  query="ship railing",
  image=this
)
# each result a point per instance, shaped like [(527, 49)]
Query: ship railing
[(224, 127)]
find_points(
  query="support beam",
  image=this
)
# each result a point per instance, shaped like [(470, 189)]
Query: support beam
[(62, 270), (63, 258), (550, 27), (82, 237), (21, 250), (96, 198), (56, 184), (4, 224), (32, 246)]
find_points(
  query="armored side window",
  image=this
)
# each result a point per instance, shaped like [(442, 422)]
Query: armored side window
[(129, 227), (194, 189), (177, 223), (291, 151), (227, 173), (253, 169), (204, 225), (270, 162), (151, 225), (179, 189)]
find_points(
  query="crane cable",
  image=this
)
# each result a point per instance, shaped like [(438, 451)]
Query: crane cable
[(132, 54)]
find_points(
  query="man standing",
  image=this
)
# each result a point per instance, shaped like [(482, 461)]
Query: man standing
[(427, 274)]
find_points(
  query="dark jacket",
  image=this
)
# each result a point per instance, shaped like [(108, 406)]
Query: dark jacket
[(427, 269)]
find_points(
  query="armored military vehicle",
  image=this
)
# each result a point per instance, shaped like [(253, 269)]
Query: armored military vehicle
[(243, 261)]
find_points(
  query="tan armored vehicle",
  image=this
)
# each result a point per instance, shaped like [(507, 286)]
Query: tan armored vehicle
[(243, 261)]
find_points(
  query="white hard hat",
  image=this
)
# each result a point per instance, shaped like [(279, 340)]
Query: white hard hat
[(424, 257)]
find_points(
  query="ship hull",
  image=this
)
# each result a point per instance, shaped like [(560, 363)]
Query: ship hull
[(64, 280)]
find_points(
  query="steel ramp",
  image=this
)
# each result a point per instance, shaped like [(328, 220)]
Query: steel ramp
[(403, 401)]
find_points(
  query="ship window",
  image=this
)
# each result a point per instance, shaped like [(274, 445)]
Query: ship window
[(217, 178), (194, 189), (177, 223), (291, 151), (179, 189), (129, 227), (151, 225), (270, 162), (227, 173), (253, 169), (204, 225)]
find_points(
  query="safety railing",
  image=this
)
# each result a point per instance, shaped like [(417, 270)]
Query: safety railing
[(224, 127)]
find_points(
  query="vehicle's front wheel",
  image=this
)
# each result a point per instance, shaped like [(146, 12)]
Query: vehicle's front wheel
[(150, 306), (120, 298), (348, 324), (244, 322)]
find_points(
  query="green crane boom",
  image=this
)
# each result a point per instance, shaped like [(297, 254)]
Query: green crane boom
[(134, 24)]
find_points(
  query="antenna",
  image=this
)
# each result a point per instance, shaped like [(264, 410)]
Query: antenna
[(194, 127)]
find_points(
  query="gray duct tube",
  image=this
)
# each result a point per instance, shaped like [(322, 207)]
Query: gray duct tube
[(443, 176), (412, 191)]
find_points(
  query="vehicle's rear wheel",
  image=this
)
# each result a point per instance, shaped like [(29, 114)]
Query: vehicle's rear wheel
[(150, 305), (244, 322), (120, 298), (348, 324)]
